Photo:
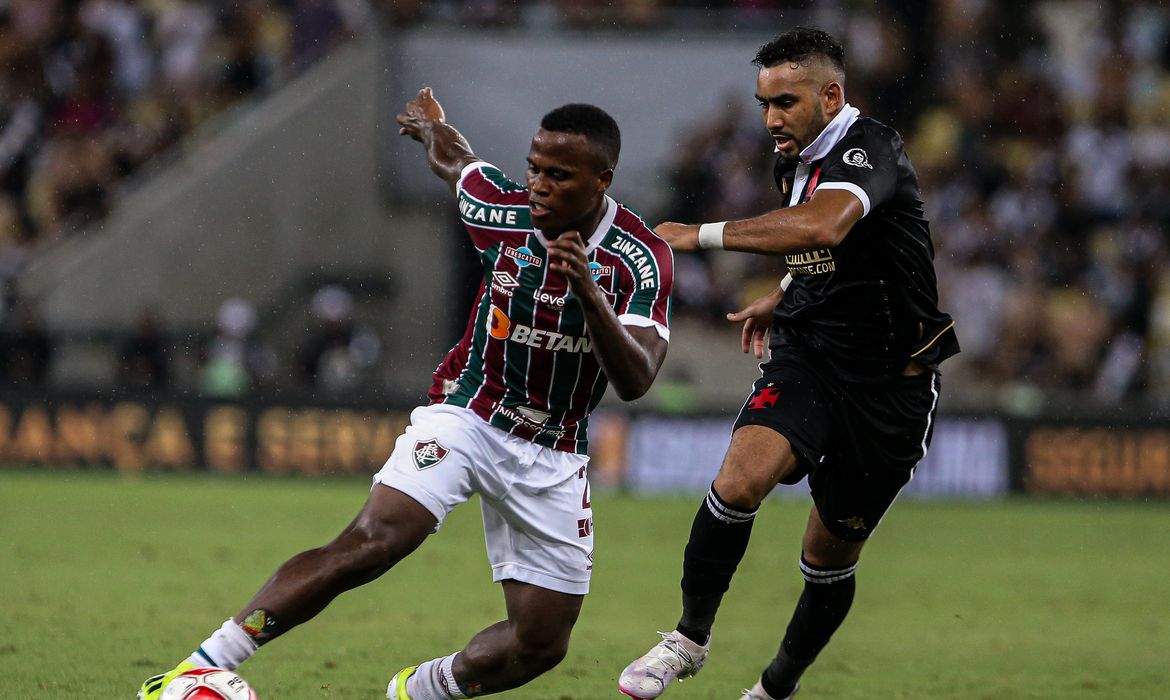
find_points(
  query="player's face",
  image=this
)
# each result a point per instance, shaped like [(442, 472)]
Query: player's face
[(566, 183), (796, 100)]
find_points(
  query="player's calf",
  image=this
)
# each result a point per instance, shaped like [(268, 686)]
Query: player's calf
[(508, 655), (824, 603)]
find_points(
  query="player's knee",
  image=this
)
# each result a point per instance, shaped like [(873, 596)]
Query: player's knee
[(539, 659), (540, 652), (822, 548), (756, 461), (741, 488)]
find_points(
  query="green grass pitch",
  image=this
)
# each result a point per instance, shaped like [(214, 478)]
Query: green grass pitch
[(105, 580)]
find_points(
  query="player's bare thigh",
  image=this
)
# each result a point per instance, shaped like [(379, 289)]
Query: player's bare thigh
[(756, 461)]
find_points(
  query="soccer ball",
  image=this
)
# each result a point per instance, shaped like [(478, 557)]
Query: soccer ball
[(208, 684)]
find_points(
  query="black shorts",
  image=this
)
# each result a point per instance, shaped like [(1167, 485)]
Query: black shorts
[(857, 443)]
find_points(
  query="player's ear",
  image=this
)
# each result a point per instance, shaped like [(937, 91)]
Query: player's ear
[(833, 96), (604, 180)]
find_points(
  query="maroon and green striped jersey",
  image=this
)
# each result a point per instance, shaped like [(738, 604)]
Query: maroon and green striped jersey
[(526, 363)]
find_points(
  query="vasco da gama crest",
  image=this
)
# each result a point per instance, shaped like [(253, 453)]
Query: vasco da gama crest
[(428, 453)]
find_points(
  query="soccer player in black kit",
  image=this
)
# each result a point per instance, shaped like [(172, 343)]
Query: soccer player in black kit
[(849, 393)]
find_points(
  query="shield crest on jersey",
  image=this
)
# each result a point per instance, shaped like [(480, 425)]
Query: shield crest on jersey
[(428, 453)]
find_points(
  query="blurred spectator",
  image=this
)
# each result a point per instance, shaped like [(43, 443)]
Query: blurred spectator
[(236, 360), (70, 183), (26, 351), (143, 355), (337, 354), (13, 251), (599, 14), (317, 27)]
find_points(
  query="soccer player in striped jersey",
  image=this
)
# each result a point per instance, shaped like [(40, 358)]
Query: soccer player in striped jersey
[(576, 296)]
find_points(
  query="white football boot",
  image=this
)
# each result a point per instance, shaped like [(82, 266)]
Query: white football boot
[(757, 692), (674, 657)]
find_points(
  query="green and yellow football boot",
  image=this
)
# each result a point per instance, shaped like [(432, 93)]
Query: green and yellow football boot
[(397, 688), (152, 688)]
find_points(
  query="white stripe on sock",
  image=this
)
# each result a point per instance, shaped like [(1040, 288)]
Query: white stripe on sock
[(826, 575), (725, 513)]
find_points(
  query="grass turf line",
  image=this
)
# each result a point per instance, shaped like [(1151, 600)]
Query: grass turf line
[(106, 580)]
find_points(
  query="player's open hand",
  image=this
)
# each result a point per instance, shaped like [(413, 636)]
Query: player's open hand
[(567, 256), (422, 111), (683, 238), (757, 322)]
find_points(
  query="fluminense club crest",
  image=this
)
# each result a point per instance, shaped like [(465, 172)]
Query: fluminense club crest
[(428, 453)]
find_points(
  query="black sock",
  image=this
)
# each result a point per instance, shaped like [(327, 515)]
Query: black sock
[(719, 537), (827, 596)]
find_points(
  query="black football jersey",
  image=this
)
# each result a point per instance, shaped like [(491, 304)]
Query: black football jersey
[(868, 306)]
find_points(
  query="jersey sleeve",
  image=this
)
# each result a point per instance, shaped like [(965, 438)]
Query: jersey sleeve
[(866, 164), (649, 304), (491, 205)]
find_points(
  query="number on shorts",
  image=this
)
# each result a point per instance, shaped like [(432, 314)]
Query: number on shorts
[(584, 494)]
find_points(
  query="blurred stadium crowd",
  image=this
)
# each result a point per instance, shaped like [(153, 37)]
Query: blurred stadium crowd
[(1041, 132), (1044, 154), (92, 90)]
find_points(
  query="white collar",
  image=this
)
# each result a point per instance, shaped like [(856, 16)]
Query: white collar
[(833, 132), (598, 234)]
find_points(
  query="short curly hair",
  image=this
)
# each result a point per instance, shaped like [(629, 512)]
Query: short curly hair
[(593, 123), (799, 45)]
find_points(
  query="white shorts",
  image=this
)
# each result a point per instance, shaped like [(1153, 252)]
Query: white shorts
[(535, 500)]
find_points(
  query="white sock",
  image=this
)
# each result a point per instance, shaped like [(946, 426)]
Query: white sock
[(227, 647), (448, 679), (434, 681)]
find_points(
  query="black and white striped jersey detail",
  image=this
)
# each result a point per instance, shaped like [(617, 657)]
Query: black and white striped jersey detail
[(725, 512), (814, 575)]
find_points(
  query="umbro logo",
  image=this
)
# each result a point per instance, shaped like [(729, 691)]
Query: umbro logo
[(505, 279)]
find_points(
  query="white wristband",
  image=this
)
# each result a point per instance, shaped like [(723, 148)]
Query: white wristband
[(711, 235), (785, 282)]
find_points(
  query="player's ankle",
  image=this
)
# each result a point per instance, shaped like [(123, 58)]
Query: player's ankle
[(697, 635)]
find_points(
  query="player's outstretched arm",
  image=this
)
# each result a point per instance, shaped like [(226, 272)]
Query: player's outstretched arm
[(630, 356), (447, 151), (821, 222)]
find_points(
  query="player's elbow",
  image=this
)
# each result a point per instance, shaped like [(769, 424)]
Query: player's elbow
[(828, 234), (633, 391), (634, 388), (829, 216)]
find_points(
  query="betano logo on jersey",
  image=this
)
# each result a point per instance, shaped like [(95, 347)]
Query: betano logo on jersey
[(501, 327)]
